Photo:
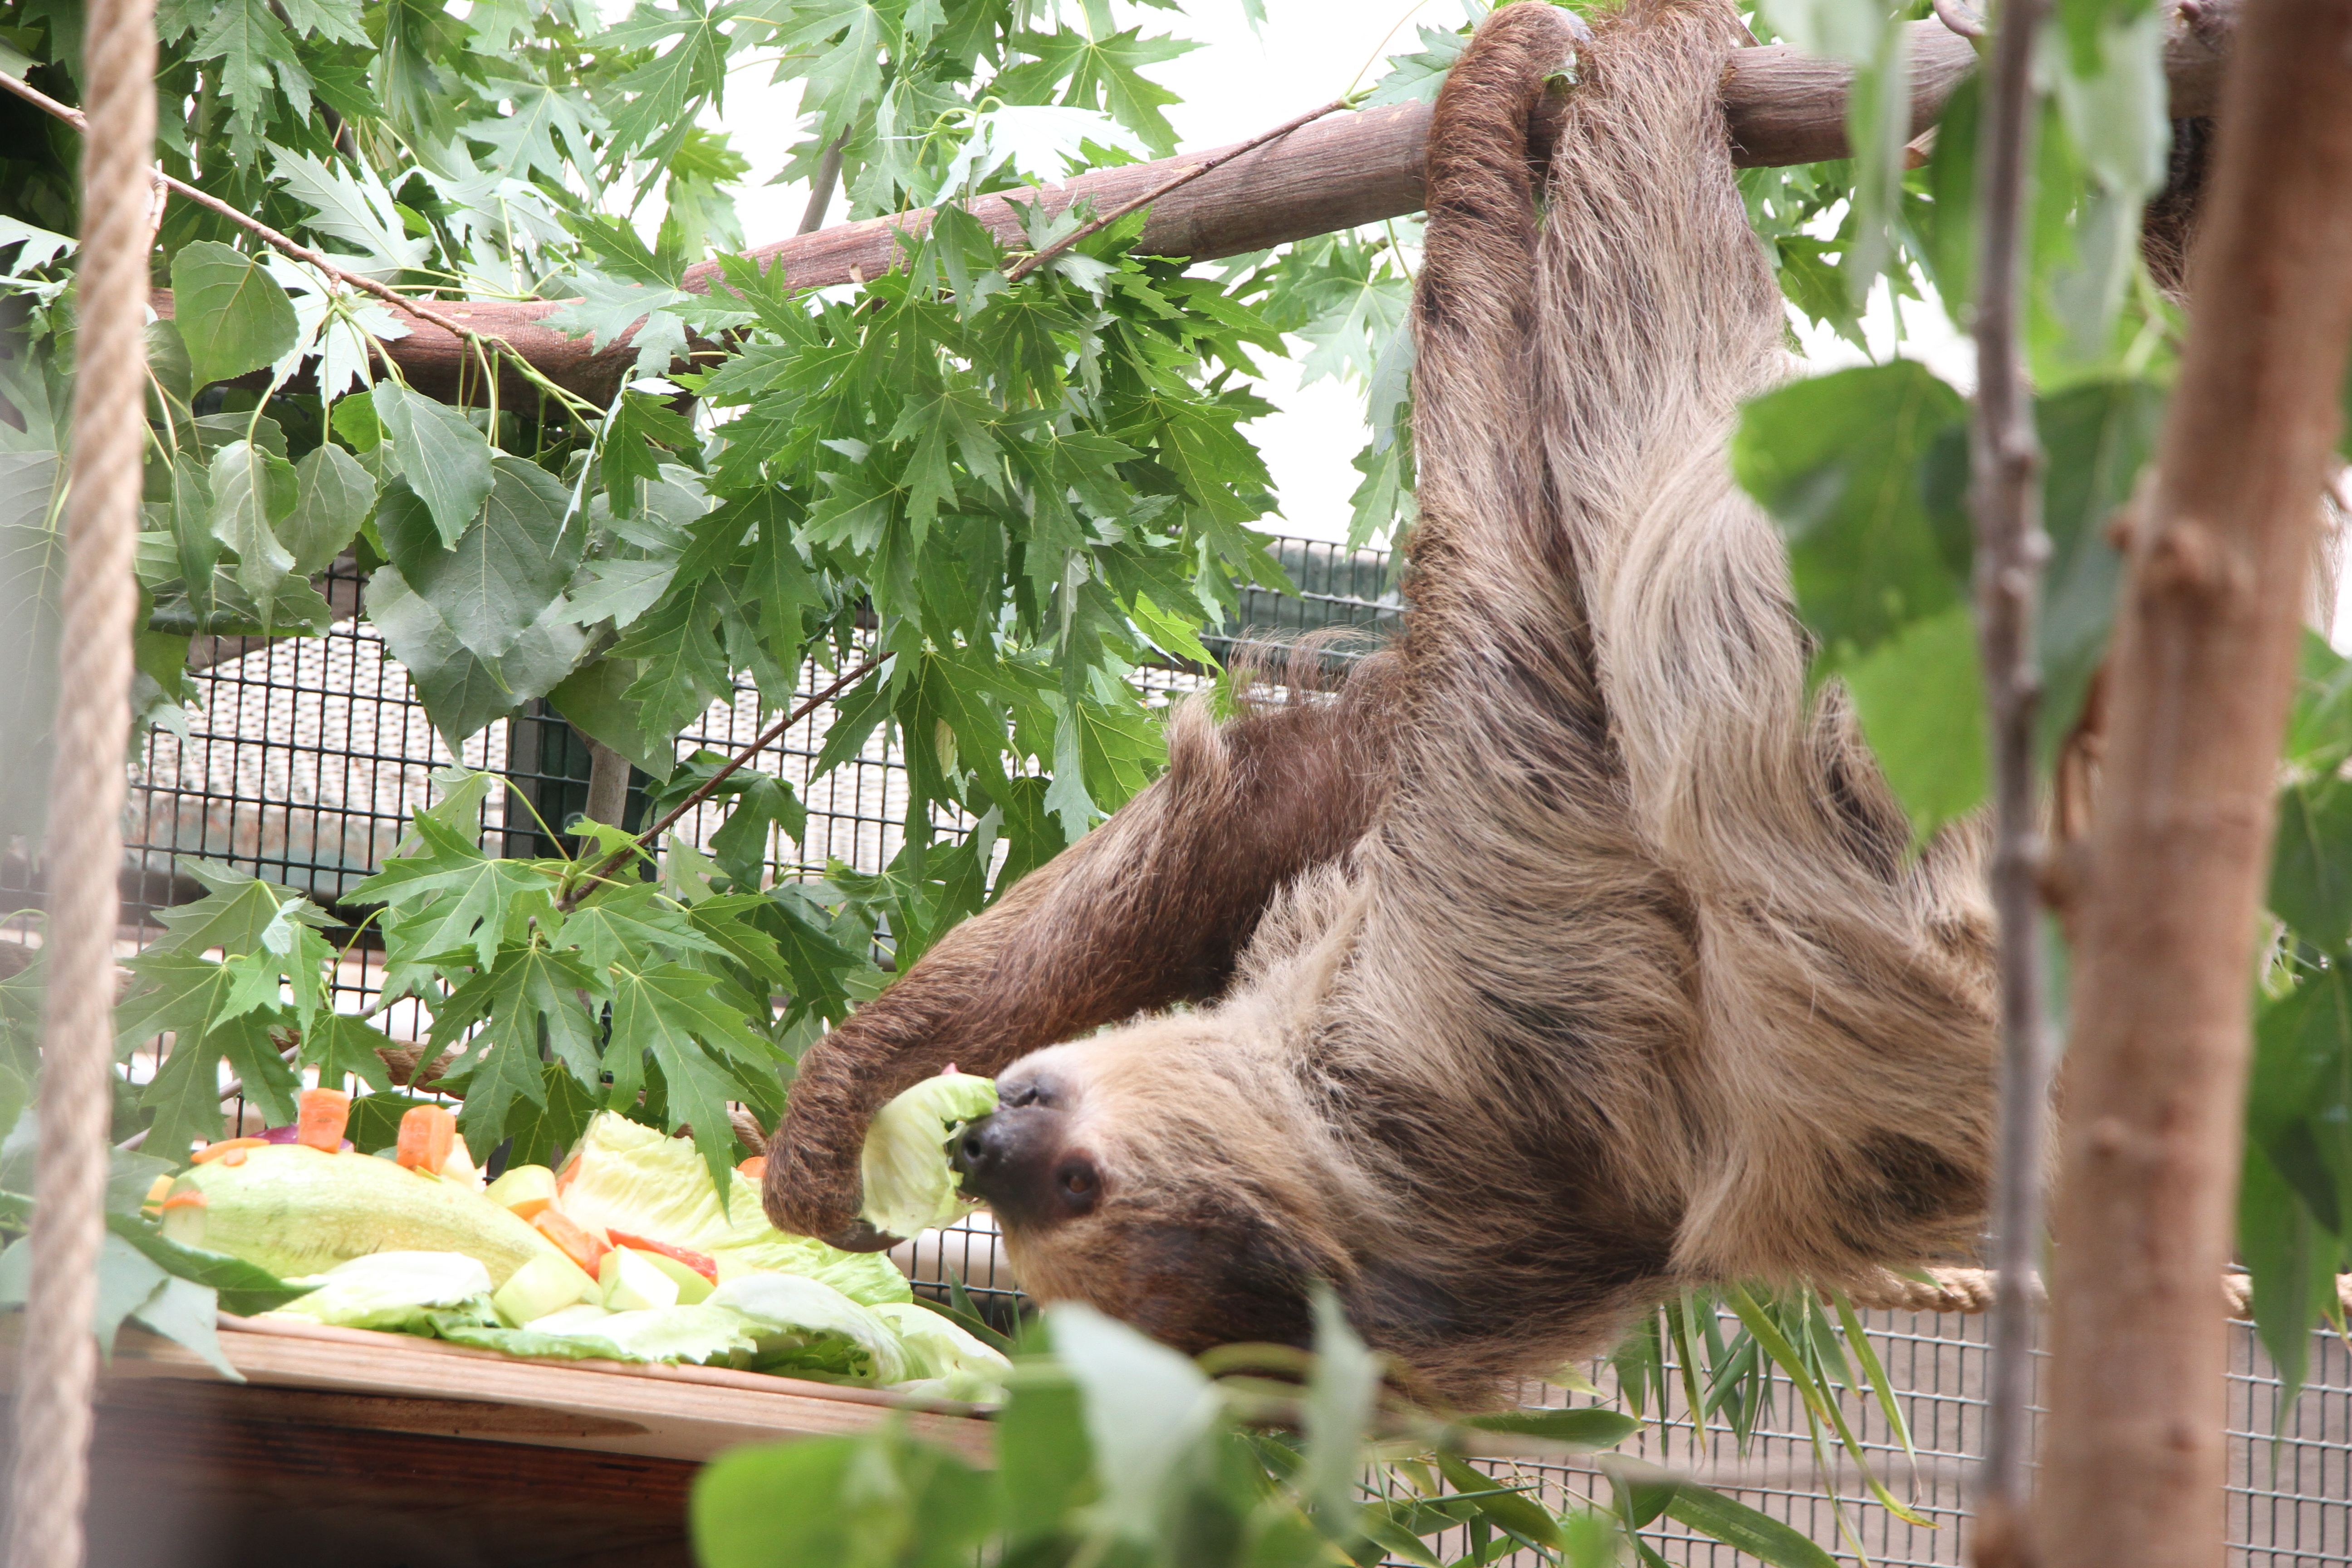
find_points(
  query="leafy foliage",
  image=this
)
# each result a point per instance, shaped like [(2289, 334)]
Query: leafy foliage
[(1116, 1450)]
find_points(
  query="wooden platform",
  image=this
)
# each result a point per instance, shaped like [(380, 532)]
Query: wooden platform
[(351, 1449)]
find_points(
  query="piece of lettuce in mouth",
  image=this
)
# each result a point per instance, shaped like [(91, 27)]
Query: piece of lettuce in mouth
[(910, 1187)]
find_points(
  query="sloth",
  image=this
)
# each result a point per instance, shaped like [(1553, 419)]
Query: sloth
[(1575, 951)]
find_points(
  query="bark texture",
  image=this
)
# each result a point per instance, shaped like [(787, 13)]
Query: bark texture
[(1782, 107), (2202, 668)]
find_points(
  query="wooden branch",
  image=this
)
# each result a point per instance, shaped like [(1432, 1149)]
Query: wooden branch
[(2201, 673), (2010, 547), (1784, 108)]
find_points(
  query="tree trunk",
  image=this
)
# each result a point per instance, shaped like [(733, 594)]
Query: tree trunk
[(2202, 670), (1784, 108)]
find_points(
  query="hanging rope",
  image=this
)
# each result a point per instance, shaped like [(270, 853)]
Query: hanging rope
[(84, 850)]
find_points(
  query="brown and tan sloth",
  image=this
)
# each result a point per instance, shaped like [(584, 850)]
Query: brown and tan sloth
[(1572, 953)]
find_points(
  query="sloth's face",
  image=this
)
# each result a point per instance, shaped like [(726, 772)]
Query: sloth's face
[(1150, 1172)]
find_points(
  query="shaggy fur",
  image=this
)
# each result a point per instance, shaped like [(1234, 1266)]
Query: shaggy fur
[(1571, 956)]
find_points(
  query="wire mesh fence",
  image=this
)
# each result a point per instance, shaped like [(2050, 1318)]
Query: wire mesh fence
[(305, 758)]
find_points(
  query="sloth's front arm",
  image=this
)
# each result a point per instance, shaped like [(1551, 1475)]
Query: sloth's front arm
[(1148, 910)]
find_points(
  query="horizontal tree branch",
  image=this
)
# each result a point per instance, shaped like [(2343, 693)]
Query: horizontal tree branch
[(1784, 108)]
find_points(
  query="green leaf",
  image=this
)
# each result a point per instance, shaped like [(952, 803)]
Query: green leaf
[(461, 691), (1042, 1453), (1341, 1391), (881, 1500), (32, 579), (1151, 1416), (1835, 459), (533, 997), (233, 317), (2311, 861), (444, 458), (666, 1011), (1744, 1529), (254, 491), (375, 1122), (1582, 1431), (2292, 1261), (591, 699), (1920, 699), (504, 573), (450, 896), (245, 1288), (333, 496)]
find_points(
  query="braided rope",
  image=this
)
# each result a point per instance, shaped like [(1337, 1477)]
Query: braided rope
[(1972, 1290), (51, 1475)]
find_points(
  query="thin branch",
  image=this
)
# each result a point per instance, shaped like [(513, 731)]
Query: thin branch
[(582, 886), (1182, 177), (299, 252), (821, 186), (2010, 548)]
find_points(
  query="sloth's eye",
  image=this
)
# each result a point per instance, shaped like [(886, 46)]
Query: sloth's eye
[(1076, 1182)]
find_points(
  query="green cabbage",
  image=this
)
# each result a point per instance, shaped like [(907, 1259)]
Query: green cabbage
[(629, 1177), (910, 1187), (696, 1334), (804, 1325), (943, 1361), (394, 1291)]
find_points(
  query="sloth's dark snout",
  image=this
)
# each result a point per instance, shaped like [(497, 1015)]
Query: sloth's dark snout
[(1014, 1162)]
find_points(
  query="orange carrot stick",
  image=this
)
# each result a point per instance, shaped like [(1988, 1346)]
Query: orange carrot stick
[(212, 1152), (320, 1120), (580, 1244), (701, 1263), (428, 1133)]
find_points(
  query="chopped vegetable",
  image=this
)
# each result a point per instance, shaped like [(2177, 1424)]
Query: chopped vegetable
[(427, 1134), (459, 1166), (700, 1263), (390, 1289), (524, 1190), (692, 1285), (756, 1167), (909, 1185), (212, 1152), (697, 1335), (578, 1243), (544, 1285), (295, 1211), (943, 1361), (633, 1282), (806, 1325), (320, 1119), (632, 1177)]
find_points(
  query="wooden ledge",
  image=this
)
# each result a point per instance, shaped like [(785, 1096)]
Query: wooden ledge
[(400, 1383)]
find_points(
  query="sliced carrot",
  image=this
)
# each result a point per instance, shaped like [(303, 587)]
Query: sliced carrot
[(426, 1135), (212, 1152), (319, 1122), (702, 1263), (580, 1244), (756, 1167), (191, 1199)]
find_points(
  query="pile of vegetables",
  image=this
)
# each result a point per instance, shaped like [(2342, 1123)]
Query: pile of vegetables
[(630, 1252)]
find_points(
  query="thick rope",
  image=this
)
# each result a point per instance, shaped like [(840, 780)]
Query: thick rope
[(1972, 1290), (51, 1480)]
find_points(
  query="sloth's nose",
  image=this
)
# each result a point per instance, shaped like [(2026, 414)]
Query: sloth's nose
[(997, 1151)]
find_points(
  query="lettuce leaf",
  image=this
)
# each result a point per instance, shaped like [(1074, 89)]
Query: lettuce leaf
[(394, 1290), (804, 1325), (629, 1177), (910, 1187), (663, 1334), (944, 1362)]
